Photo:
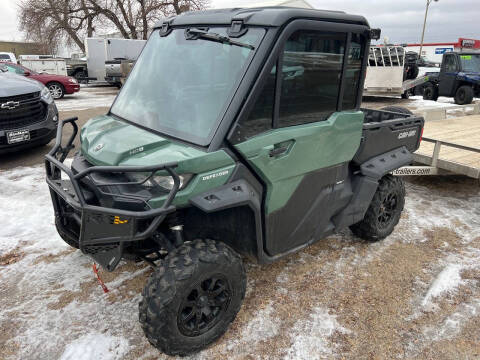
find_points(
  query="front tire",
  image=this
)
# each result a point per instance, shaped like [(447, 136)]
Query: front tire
[(430, 92), (384, 211), (464, 95), (192, 297), (56, 89)]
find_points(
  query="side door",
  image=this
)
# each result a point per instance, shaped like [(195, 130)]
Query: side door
[(296, 137), (448, 75)]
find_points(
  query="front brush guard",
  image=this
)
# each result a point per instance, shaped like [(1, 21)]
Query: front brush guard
[(103, 230)]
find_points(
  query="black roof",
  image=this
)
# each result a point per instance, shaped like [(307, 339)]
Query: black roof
[(263, 16)]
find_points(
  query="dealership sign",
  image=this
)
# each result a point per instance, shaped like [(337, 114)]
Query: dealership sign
[(443, 50), (468, 43)]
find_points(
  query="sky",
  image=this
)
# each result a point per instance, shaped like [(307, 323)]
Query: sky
[(400, 20)]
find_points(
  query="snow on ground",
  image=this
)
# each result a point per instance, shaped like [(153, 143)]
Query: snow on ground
[(311, 336), (96, 346), (87, 98), (448, 280), (318, 304)]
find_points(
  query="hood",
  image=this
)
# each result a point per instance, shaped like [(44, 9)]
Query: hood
[(12, 84), (109, 141), (469, 76)]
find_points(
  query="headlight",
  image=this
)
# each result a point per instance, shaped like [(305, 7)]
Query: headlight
[(46, 96), (165, 182), (72, 80)]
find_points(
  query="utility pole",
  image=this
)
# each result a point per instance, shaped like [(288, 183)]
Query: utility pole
[(424, 25)]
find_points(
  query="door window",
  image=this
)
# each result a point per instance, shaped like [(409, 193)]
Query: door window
[(311, 74), (450, 64), (353, 71), (261, 115)]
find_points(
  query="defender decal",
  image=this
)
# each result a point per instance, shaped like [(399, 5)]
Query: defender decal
[(212, 176)]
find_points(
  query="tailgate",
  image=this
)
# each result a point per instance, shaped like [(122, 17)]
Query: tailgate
[(381, 137)]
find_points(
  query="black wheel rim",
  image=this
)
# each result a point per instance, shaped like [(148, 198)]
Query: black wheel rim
[(387, 210), (461, 95), (204, 306), (428, 93)]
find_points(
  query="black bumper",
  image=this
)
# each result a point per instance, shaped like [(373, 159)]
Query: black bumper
[(100, 231), (41, 133)]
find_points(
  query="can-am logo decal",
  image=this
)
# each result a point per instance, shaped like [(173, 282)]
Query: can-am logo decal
[(407, 134), (98, 147), (212, 176)]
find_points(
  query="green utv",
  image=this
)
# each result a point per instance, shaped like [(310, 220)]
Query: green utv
[(238, 133)]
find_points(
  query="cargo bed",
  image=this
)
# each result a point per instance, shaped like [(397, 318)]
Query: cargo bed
[(384, 131)]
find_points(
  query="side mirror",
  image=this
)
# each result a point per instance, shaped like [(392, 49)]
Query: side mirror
[(27, 73)]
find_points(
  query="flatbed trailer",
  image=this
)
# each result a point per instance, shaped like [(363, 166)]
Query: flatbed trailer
[(449, 146), (386, 73)]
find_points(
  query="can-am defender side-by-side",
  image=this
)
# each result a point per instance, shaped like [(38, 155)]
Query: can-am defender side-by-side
[(238, 133)]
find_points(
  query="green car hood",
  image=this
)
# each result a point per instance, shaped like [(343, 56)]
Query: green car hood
[(109, 141)]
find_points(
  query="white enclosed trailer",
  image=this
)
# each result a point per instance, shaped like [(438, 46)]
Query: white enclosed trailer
[(99, 50)]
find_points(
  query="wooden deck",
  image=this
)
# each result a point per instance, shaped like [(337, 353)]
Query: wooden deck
[(462, 131)]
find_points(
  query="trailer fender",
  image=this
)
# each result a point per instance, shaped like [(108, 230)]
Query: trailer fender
[(381, 165)]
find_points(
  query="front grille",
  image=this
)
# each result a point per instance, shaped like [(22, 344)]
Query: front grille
[(30, 110), (20, 97)]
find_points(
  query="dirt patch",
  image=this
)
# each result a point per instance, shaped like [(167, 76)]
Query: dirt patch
[(11, 257), (49, 258)]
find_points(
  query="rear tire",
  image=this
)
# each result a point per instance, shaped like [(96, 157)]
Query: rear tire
[(464, 95), (384, 211), (80, 75), (430, 92), (192, 297)]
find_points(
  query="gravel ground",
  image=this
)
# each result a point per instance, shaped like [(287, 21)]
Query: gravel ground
[(415, 295)]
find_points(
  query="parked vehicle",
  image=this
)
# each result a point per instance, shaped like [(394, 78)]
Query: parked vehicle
[(459, 77), (54, 66), (207, 155), (77, 67), (113, 70), (8, 57), (28, 115), (58, 85), (424, 62)]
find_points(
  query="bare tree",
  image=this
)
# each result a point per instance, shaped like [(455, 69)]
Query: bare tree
[(49, 21)]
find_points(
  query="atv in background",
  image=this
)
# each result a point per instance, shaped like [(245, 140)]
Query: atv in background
[(459, 77), (238, 133)]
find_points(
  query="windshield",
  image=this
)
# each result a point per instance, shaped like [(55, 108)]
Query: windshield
[(181, 87), (470, 63)]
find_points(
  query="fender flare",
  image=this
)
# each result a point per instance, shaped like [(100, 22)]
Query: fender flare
[(235, 194), (381, 165)]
